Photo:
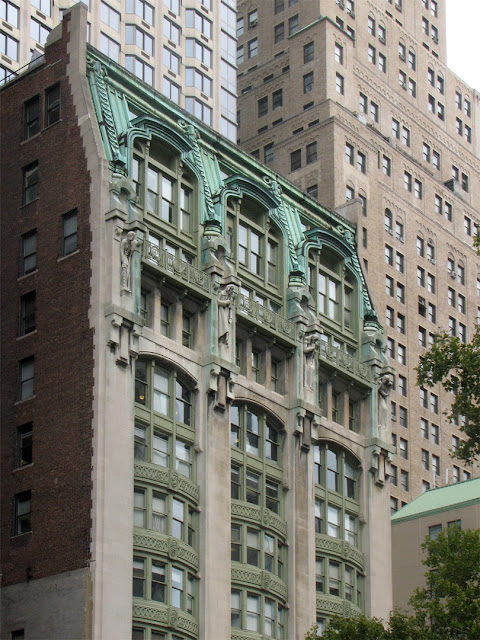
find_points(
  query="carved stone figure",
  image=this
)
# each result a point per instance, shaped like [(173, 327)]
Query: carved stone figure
[(310, 349), (385, 385), (225, 304), (127, 247)]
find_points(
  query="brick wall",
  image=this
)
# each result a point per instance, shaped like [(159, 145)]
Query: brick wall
[(61, 409)]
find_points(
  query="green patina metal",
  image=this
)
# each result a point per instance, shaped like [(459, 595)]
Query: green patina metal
[(114, 91)]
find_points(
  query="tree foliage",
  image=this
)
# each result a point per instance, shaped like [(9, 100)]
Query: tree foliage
[(447, 608), (456, 366), (398, 627), (451, 597)]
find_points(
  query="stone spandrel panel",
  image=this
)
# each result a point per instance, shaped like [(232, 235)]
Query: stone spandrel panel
[(168, 479), (170, 617), (261, 516), (166, 545)]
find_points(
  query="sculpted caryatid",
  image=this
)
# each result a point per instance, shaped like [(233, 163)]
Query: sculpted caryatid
[(310, 348), (127, 247), (225, 304), (385, 384)]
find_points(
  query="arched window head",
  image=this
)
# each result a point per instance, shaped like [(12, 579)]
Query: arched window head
[(164, 418), (161, 391), (388, 221), (165, 189), (256, 458), (334, 292), (255, 434), (256, 244)]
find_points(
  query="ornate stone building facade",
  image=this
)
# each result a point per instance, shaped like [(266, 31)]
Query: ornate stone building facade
[(353, 102), (202, 375)]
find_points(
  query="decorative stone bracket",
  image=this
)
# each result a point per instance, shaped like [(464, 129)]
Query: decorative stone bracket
[(222, 386), (380, 465), (123, 339)]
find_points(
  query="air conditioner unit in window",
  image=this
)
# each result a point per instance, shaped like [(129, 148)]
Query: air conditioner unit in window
[(341, 4), (351, 13), (435, 39), (422, 301), (453, 275), (403, 84), (252, 24), (382, 39), (402, 56)]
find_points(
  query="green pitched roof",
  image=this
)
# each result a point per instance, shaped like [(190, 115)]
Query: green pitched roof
[(452, 496)]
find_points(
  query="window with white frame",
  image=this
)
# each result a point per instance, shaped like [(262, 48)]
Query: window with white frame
[(110, 16), (135, 35), (139, 68), (109, 47), (142, 9), (194, 19), (197, 50)]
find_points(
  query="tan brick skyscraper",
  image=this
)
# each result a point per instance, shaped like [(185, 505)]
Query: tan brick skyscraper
[(354, 103)]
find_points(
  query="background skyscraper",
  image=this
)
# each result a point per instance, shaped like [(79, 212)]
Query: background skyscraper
[(185, 50), (353, 102)]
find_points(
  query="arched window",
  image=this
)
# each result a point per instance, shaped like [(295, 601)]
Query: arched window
[(333, 289), (388, 221), (258, 536), (164, 432), (164, 507), (256, 459), (420, 245), (256, 245), (382, 32), (431, 251), (168, 195)]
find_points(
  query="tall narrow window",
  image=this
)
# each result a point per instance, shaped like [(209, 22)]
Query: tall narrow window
[(52, 105), (31, 117), (30, 183), (27, 313), (69, 238), (22, 513), (26, 378), (24, 445), (29, 253)]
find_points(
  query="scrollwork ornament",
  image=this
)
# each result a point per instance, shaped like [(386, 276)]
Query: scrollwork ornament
[(193, 135), (172, 617), (265, 517), (172, 548), (266, 580), (174, 479)]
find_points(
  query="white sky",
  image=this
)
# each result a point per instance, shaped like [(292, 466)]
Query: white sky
[(463, 35)]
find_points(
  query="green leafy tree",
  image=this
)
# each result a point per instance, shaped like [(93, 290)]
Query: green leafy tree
[(360, 628), (450, 601), (456, 366), (398, 627), (447, 608)]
